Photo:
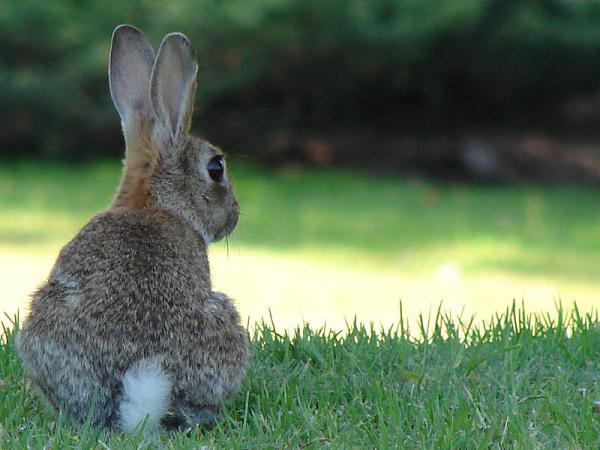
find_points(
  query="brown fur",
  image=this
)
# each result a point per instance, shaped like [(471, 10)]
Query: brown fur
[(134, 283), (140, 165)]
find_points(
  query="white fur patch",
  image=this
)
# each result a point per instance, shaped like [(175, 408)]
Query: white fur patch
[(72, 300), (146, 395), (72, 297)]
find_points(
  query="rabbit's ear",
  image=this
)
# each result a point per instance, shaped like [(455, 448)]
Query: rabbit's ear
[(129, 71), (173, 84)]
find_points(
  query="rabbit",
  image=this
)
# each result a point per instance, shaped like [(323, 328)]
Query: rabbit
[(127, 330)]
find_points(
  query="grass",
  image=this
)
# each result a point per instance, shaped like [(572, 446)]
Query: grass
[(374, 221), (358, 244), (520, 381), (348, 237), (324, 246)]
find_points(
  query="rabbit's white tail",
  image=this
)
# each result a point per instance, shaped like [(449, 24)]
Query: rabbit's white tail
[(146, 395)]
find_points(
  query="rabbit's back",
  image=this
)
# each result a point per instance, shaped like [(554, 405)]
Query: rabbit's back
[(130, 257), (131, 286), (126, 277)]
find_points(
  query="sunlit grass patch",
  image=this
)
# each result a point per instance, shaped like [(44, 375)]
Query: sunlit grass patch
[(340, 215), (323, 246)]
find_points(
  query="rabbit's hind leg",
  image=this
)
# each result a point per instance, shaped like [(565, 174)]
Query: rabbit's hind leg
[(66, 379)]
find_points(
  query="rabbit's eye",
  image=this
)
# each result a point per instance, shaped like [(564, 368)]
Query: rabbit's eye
[(216, 168)]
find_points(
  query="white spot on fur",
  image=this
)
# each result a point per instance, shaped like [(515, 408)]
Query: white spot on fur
[(64, 280), (146, 395), (72, 300), (72, 297)]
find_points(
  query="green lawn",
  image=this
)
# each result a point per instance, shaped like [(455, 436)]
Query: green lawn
[(324, 246), (328, 245), (342, 216), (518, 382)]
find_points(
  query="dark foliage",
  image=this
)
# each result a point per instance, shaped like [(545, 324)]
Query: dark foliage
[(275, 65)]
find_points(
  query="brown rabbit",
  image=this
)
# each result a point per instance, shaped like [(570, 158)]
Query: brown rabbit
[(127, 327)]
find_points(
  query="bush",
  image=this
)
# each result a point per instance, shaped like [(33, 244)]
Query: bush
[(308, 63)]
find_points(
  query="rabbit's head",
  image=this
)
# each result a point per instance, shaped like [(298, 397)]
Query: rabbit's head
[(165, 166)]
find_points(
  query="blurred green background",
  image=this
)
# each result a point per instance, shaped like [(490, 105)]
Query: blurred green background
[(383, 151)]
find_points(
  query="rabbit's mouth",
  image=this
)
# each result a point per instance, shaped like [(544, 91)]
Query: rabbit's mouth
[(231, 222)]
